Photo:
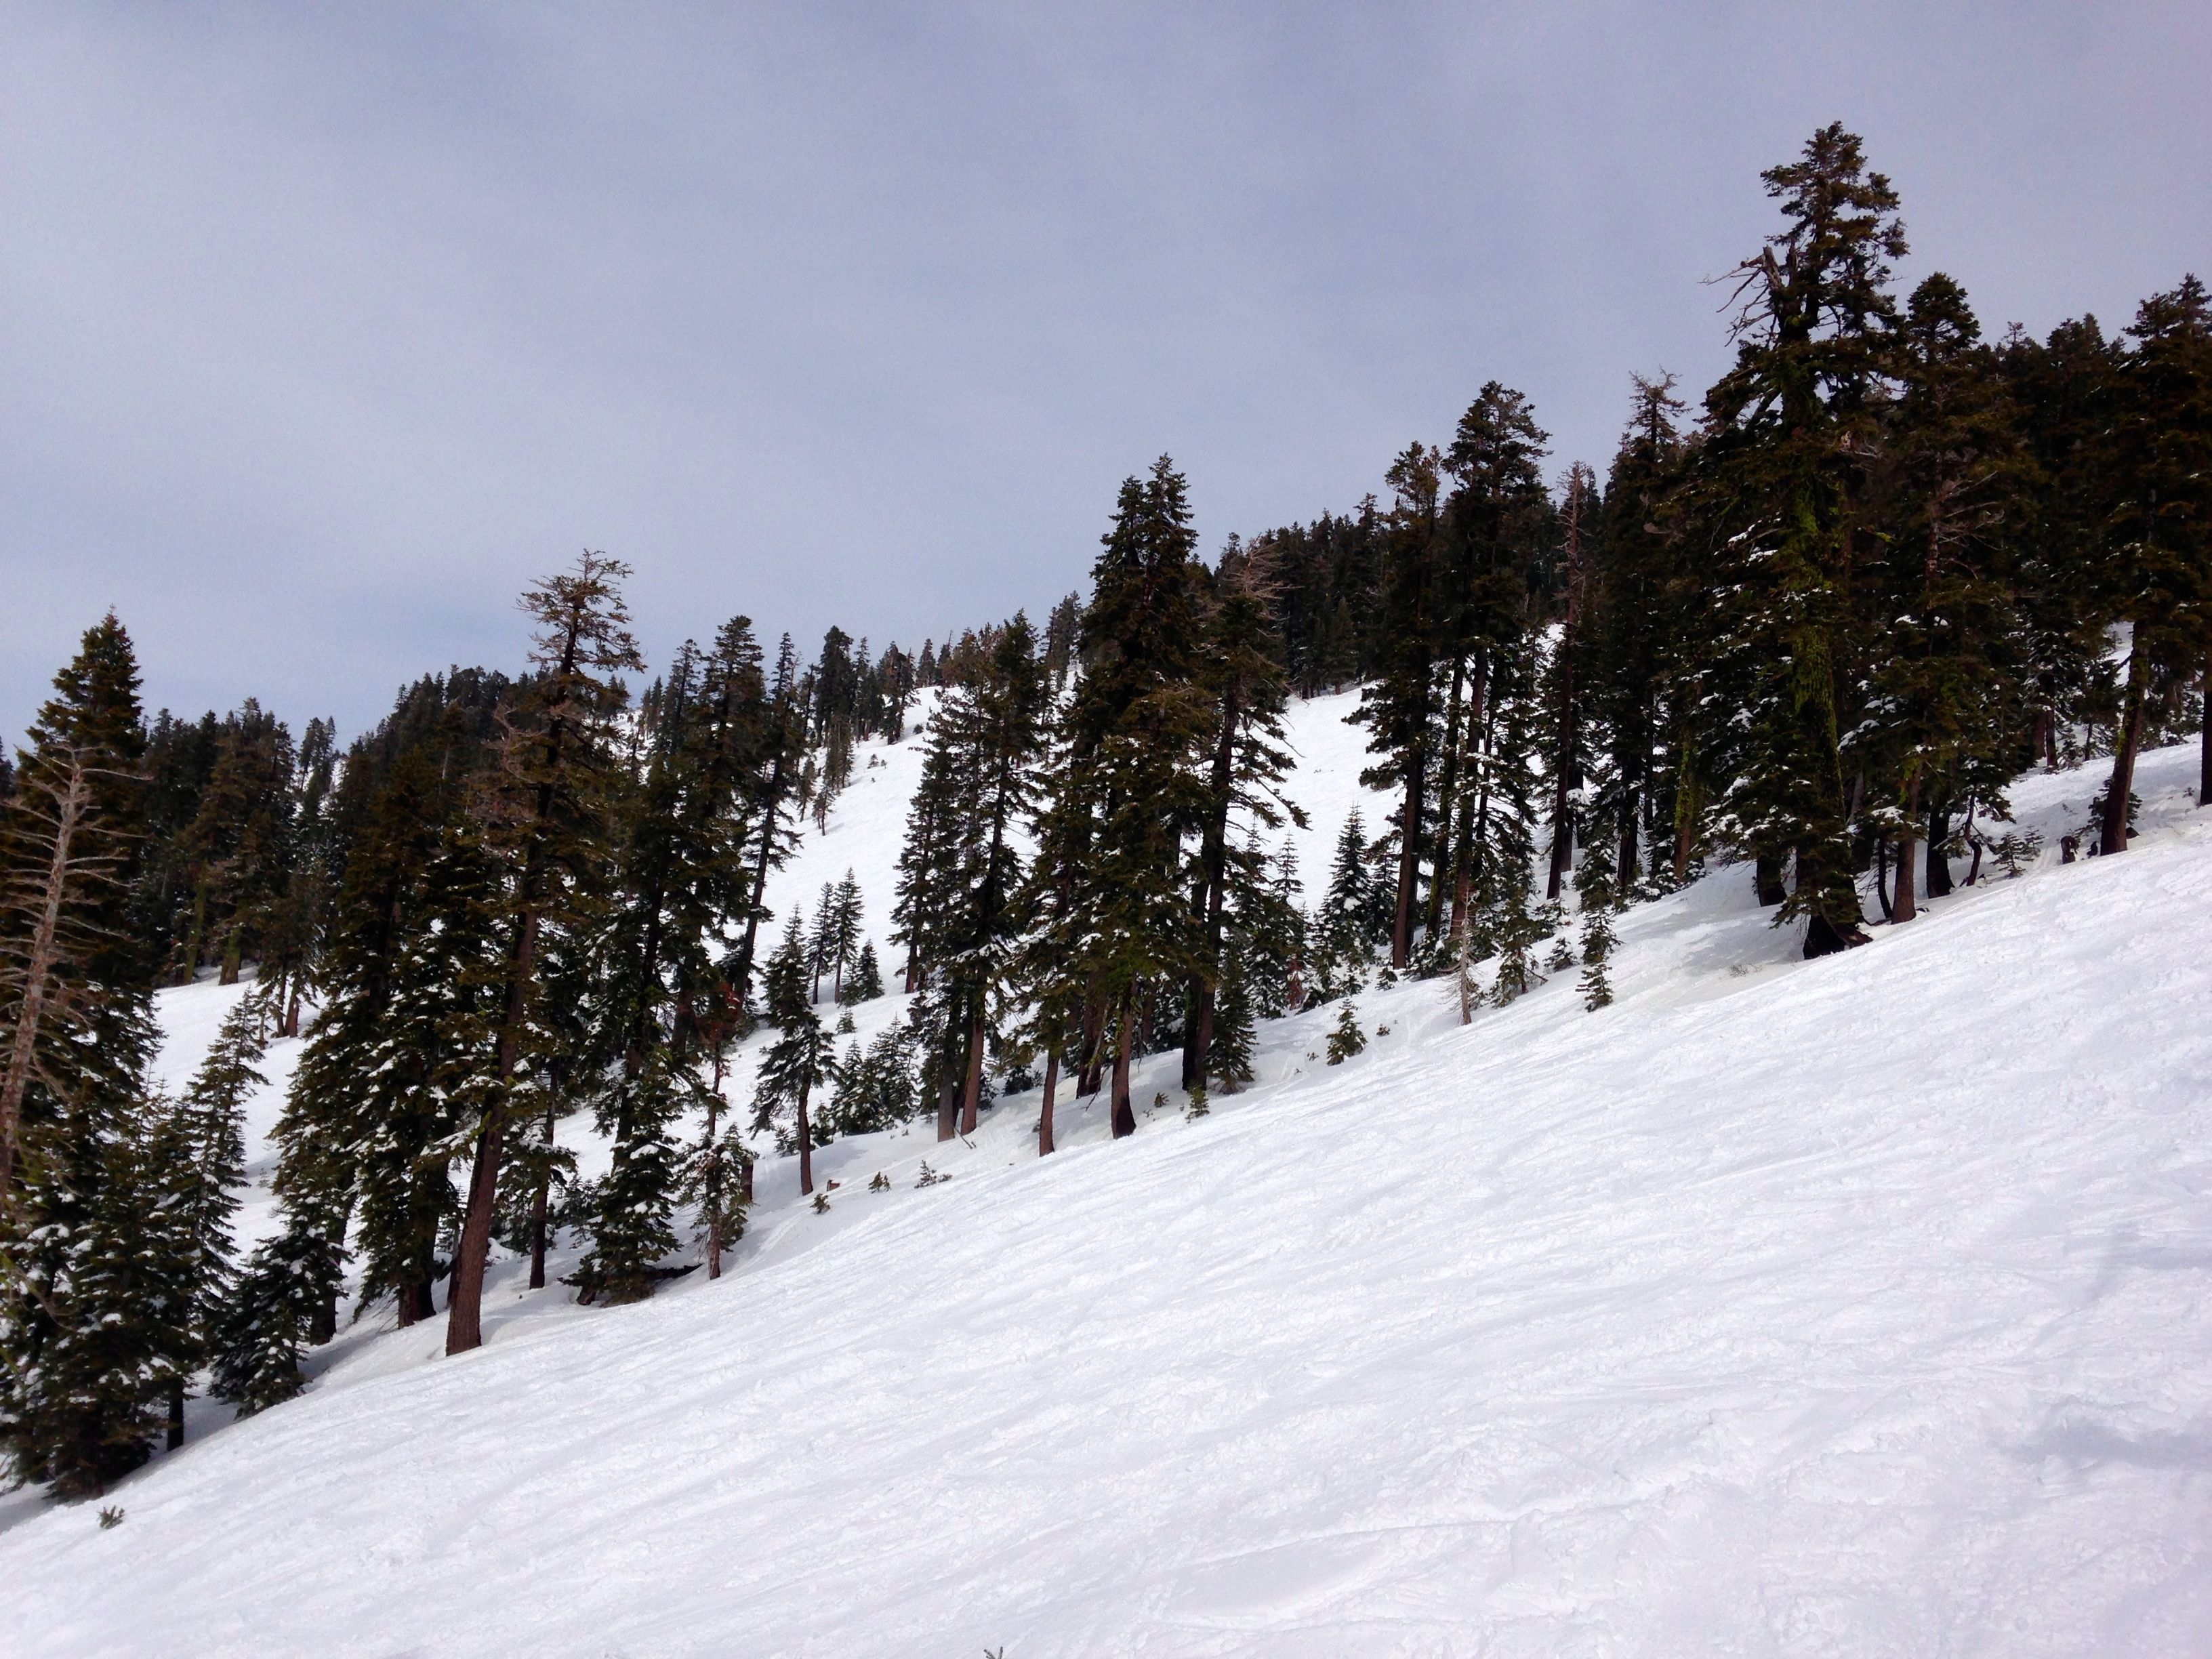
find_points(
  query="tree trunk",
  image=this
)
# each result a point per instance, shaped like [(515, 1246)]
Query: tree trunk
[(1766, 877), (1479, 719), (743, 977), (1090, 1076), (176, 1413), (323, 1325), (1628, 864), (1881, 878), (464, 1302), (2114, 832), (540, 1206), (1409, 863), (806, 1146), (1686, 811), (71, 802), (2205, 741), (1939, 861), (948, 1107), (1125, 1118), (972, 1095), (196, 935), (1447, 785), (1904, 908), (1044, 1116)]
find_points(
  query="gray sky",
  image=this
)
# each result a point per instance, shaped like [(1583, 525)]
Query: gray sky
[(322, 330)]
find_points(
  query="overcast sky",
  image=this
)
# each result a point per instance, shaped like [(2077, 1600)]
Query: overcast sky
[(324, 329)]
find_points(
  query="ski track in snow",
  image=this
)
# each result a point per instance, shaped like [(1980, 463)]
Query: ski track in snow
[(1855, 1307)]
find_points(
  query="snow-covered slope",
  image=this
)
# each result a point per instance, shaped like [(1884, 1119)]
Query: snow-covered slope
[(1849, 1307)]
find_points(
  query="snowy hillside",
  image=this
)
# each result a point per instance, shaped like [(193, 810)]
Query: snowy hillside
[(1852, 1307)]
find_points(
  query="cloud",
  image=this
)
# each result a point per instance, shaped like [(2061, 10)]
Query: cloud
[(326, 330)]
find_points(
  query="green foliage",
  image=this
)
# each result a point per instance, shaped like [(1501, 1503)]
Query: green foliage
[(1346, 1039)]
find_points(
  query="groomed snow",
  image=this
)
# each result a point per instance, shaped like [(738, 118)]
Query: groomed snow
[(1856, 1307)]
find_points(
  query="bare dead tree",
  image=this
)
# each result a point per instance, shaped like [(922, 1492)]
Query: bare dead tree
[(43, 898)]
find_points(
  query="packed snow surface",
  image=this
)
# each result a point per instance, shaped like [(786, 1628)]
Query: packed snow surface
[(1855, 1307)]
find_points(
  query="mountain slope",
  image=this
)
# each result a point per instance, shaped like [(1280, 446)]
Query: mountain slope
[(1849, 1307)]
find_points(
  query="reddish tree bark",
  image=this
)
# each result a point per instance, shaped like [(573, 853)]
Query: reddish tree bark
[(1044, 1116)]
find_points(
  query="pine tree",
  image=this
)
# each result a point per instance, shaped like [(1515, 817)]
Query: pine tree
[(549, 834), (1497, 526), (1398, 707), (257, 1337), (1128, 785), (867, 983), (1345, 1038), (1594, 882), (1567, 691), (1244, 785), (1343, 941), (996, 724), (1947, 644), (844, 932), (775, 752), (1638, 596), (657, 980), (86, 1318), (928, 863), (1789, 429), (796, 1063), (201, 1162), (2157, 571), (821, 941), (1228, 1056)]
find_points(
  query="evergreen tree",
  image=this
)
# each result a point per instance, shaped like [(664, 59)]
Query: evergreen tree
[(2157, 568), (1790, 428), (1346, 1039), (1128, 783), (1398, 707), (996, 726), (200, 1160), (796, 1063), (656, 976), (1344, 940), (1244, 784), (867, 983), (928, 863), (86, 1317), (1639, 647), (843, 935), (1499, 521), (257, 1339), (1566, 692), (1947, 643), (550, 833)]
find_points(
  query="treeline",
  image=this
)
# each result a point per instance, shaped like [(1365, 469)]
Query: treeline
[(1889, 563), (518, 900)]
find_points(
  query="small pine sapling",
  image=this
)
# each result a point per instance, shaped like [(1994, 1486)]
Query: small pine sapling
[(929, 1176), (2013, 852), (1594, 879), (1197, 1108), (881, 1183), (1346, 1039), (822, 1204)]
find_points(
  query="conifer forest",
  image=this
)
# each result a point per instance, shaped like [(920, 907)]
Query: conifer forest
[(558, 1020)]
